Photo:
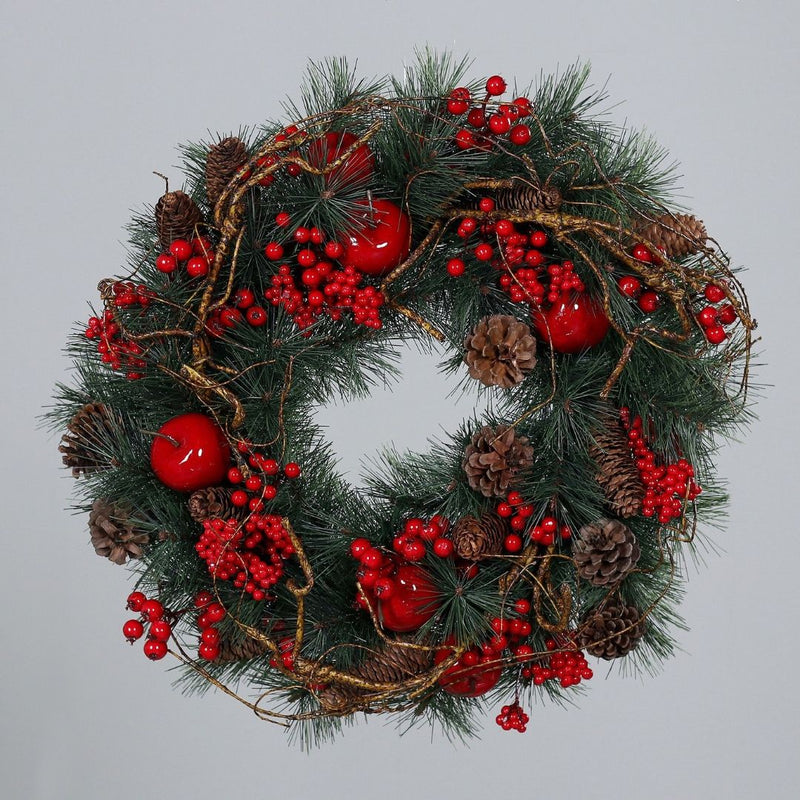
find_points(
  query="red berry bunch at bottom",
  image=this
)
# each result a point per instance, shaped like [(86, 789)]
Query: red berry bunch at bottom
[(152, 613), (210, 613), (513, 717)]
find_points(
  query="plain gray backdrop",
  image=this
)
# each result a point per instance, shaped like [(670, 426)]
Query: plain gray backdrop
[(97, 95)]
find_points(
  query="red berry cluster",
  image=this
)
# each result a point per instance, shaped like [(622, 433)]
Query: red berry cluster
[(509, 631), (476, 672), (567, 665), (126, 294), (210, 612), (647, 300), (321, 289), (518, 512), (261, 484), (114, 350), (250, 554), (151, 613), (286, 646), (715, 319), (195, 255), (513, 717), (487, 125), (667, 486)]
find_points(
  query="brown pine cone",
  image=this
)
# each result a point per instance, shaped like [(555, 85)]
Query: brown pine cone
[(177, 217), (611, 632), (605, 552), (524, 197), (500, 351), (392, 664), (475, 538), (493, 459), (225, 159), (678, 235), (213, 502), (85, 445), (113, 534), (239, 650), (617, 472)]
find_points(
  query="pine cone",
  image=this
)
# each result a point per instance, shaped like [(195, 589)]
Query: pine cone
[(677, 235), (85, 445), (605, 552), (393, 664), (113, 533), (177, 217), (225, 159), (494, 457), (213, 502), (475, 538), (500, 351), (611, 632), (239, 650), (617, 472), (524, 197)]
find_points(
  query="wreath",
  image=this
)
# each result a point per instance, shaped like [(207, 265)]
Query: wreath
[(532, 242)]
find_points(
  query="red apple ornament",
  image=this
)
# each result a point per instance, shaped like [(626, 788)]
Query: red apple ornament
[(380, 240), (411, 602), (574, 322), (357, 167), (190, 453)]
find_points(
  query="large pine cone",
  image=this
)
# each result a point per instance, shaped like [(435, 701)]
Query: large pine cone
[(114, 535), (524, 197), (611, 632), (177, 217), (393, 664), (85, 445), (493, 459), (677, 235), (475, 538), (605, 552), (500, 351), (211, 503), (225, 159), (617, 472)]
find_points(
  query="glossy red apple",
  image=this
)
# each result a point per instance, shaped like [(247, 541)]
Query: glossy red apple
[(190, 452), (357, 167), (412, 601), (575, 322), (380, 239), (474, 674)]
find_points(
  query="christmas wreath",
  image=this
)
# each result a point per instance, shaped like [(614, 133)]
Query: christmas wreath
[(531, 240)]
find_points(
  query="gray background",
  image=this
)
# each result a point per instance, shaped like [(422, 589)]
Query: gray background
[(94, 97)]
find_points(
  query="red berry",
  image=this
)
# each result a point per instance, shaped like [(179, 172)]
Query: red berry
[(522, 606), (215, 612), (708, 316), (208, 651), (292, 470), (203, 598), (282, 219), (476, 118), (727, 314), (414, 550), (160, 630), (629, 285), (152, 610), (649, 301), (443, 547), (714, 293), (197, 267), (166, 263), (465, 139), (495, 86), (641, 253), (136, 600), (132, 630), (498, 124), (273, 251), (244, 298), (181, 249), (716, 334), (520, 134), (455, 267), (210, 636), (358, 547), (513, 543), (484, 252), (523, 106), (154, 649), (333, 250), (256, 316)]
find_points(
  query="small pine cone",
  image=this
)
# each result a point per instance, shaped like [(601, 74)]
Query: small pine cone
[(475, 538), (393, 664), (493, 459), (84, 446), (240, 650), (678, 235), (611, 632), (213, 502), (113, 534), (524, 197), (617, 472), (500, 351), (605, 552), (177, 217), (225, 159)]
